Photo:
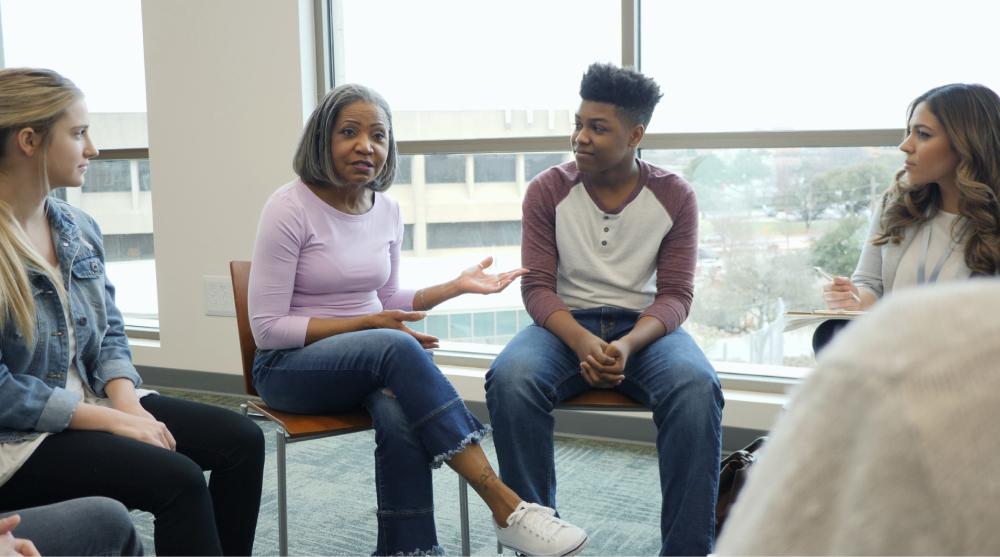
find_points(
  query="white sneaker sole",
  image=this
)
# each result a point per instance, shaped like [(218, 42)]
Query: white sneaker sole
[(569, 553)]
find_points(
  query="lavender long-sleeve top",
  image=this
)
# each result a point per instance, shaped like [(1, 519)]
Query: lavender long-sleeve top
[(311, 260)]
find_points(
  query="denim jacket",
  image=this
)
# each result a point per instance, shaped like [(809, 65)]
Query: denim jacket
[(33, 395)]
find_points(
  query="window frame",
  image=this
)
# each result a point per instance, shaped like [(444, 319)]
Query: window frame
[(133, 332)]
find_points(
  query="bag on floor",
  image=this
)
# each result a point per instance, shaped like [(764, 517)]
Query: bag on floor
[(732, 475)]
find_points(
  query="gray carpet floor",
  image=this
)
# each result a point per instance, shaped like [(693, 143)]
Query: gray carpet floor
[(609, 489)]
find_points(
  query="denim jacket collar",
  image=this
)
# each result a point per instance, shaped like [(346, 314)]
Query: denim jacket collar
[(66, 236)]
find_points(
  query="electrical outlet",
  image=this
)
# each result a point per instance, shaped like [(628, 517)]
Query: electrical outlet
[(218, 296)]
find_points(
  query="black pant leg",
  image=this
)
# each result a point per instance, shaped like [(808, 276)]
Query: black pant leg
[(168, 484), (231, 446)]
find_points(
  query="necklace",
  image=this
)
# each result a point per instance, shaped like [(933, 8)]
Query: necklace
[(921, 269)]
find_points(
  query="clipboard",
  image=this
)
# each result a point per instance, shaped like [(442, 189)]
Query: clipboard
[(799, 319)]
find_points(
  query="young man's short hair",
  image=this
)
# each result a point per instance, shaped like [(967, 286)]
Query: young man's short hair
[(634, 94)]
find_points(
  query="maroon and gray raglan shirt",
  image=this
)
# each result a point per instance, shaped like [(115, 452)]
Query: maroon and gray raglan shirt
[(579, 254)]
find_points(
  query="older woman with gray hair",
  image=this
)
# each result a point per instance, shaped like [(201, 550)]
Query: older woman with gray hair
[(330, 321)]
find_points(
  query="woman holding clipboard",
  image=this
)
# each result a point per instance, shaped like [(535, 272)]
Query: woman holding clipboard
[(940, 219)]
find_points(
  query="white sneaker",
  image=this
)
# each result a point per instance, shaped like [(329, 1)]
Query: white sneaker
[(535, 530)]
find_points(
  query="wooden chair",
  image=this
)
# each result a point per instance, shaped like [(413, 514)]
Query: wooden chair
[(601, 399), (293, 428)]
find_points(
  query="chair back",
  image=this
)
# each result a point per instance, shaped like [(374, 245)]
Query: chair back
[(240, 273)]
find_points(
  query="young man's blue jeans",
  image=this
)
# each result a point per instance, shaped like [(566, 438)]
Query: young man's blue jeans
[(671, 376), (420, 421)]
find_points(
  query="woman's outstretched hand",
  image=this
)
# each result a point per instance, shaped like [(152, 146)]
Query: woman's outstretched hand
[(397, 318), (475, 280)]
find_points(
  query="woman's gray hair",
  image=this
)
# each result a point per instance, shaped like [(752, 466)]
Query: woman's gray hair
[(313, 160)]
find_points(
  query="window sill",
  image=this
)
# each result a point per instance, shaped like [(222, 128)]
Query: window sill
[(136, 332)]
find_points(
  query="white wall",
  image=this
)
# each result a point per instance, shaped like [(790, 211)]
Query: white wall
[(226, 85)]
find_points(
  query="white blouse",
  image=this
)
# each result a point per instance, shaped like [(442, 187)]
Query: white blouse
[(942, 232)]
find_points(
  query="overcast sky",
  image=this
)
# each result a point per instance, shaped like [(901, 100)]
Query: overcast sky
[(723, 64)]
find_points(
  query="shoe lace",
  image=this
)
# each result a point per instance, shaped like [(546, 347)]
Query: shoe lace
[(537, 519)]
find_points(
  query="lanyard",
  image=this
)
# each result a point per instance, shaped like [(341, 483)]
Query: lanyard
[(921, 270)]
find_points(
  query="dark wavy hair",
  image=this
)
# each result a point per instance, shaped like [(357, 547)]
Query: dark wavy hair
[(970, 116), (634, 94), (313, 162)]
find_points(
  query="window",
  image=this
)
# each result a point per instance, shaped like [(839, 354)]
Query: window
[(407, 238), (459, 205), (109, 176), (110, 72), (494, 168), (790, 65), (404, 169), (128, 247), (450, 227), (473, 234), (453, 69), (536, 163), (445, 169), (767, 217), (783, 116)]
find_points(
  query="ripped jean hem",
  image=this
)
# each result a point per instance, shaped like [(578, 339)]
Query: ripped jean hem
[(473, 437)]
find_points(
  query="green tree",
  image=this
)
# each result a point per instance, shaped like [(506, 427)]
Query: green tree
[(810, 185), (748, 293), (748, 166), (851, 190), (725, 186), (838, 250), (750, 179), (707, 174)]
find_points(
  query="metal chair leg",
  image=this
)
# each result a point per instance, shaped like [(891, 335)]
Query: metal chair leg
[(463, 511), (282, 496)]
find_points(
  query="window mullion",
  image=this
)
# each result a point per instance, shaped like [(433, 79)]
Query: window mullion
[(630, 33)]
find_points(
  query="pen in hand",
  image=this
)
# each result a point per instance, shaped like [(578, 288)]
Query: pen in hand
[(830, 278)]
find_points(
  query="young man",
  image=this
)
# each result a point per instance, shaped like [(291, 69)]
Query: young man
[(610, 243)]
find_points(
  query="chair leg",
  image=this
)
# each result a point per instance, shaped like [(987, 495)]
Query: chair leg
[(282, 496), (463, 511)]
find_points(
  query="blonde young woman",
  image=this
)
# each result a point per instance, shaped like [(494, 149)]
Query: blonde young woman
[(940, 220), (72, 422)]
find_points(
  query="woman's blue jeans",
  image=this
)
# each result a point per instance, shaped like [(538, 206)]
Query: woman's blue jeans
[(420, 421), (536, 371)]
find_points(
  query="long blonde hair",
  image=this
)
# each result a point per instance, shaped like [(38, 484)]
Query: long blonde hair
[(36, 99), (970, 116)]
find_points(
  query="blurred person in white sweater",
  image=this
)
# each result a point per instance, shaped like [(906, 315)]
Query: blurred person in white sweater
[(890, 446)]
